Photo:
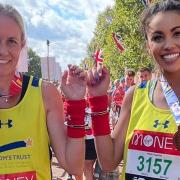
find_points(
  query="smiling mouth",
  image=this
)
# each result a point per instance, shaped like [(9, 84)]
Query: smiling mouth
[(3, 61), (170, 57)]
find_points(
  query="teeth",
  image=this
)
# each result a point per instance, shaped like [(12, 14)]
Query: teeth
[(3, 62), (170, 57)]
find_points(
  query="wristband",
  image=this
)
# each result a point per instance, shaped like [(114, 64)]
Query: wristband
[(100, 122), (75, 114)]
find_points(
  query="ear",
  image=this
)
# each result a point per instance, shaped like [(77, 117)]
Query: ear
[(23, 43)]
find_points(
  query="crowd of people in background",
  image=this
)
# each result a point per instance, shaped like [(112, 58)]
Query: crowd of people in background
[(120, 86)]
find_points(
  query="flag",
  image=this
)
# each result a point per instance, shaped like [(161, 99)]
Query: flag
[(98, 57), (118, 42)]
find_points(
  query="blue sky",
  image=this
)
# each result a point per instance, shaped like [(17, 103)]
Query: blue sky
[(67, 24)]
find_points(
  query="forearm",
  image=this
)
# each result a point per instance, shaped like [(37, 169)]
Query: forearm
[(101, 130), (105, 151), (74, 155)]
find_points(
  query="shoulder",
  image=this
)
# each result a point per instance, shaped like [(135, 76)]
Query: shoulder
[(129, 95), (48, 87), (49, 90), (51, 95)]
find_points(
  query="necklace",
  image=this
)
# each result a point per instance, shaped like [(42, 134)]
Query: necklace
[(14, 89), (5, 97)]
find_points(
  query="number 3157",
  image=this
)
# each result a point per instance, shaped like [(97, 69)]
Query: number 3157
[(155, 165)]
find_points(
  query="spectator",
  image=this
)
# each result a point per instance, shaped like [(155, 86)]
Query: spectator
[(144, 74)]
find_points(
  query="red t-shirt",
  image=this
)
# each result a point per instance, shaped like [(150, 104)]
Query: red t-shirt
[(118, 95)]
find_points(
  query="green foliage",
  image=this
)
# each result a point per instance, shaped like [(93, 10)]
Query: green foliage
[(125, 17), (34, 66)]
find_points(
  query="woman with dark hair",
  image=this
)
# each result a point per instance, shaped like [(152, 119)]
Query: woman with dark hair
[(146, 137)]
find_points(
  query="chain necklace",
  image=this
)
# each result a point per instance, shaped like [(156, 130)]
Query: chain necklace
[(5, 97), (14, 89)]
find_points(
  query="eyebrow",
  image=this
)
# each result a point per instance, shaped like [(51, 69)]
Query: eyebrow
[(160, 32), (11, 37), (174, 28), (157, 32)]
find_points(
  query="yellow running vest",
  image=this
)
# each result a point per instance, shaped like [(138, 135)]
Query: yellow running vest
[(149, 151), (24, 140)]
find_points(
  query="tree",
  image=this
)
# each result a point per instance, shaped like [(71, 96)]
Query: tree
[(123, 19), (34, 66)]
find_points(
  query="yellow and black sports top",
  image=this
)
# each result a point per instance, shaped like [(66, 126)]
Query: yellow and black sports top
[(24, 142), (149, 152)]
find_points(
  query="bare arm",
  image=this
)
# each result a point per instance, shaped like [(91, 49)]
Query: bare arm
[(69, 151), (110, 148)]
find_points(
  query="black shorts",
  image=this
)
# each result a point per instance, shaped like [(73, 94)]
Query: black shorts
[(90, 150)]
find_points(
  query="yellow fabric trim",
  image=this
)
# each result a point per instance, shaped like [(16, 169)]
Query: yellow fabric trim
[(28, 126), (143, 115)]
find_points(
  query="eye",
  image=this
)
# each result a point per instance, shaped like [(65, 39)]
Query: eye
[(177, 34), (12, 41), (157, 38)]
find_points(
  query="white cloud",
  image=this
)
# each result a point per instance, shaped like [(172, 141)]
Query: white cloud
[(68, 24)]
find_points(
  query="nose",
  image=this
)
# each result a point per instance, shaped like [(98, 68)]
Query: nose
[(169, 44), (3, 49)]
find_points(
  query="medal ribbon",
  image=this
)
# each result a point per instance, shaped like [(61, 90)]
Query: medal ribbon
[(172, 99), (15, 86)]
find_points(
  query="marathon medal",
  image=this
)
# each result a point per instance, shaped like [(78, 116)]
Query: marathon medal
[(174, 105), (176, 139)]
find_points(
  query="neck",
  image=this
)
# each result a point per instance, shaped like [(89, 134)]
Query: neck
[(5, 82), (173, 80)]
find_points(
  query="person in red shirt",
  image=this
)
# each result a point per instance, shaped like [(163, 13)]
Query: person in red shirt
[(117, 99)]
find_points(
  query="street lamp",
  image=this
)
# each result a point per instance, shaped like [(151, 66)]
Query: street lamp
[(48, 42)]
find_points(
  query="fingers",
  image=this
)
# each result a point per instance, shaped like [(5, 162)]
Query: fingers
[(95, 75), (90, 80), (77, 72), (105, 72), (99, 68)]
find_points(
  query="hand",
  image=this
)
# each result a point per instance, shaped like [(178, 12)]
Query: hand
[(73, 83), (98, 83)]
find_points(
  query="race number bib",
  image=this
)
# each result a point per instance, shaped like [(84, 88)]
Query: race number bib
[(152, 155), (19, 176)]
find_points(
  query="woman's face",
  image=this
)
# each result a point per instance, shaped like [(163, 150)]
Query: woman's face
[(10, 45), (164, 40)]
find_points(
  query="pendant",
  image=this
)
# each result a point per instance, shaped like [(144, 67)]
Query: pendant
[(176, 139)]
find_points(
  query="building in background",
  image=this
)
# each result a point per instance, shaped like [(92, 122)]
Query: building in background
[(51, 70)]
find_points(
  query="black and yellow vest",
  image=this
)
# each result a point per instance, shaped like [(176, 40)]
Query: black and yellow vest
[(24, 140), (149, 151)]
